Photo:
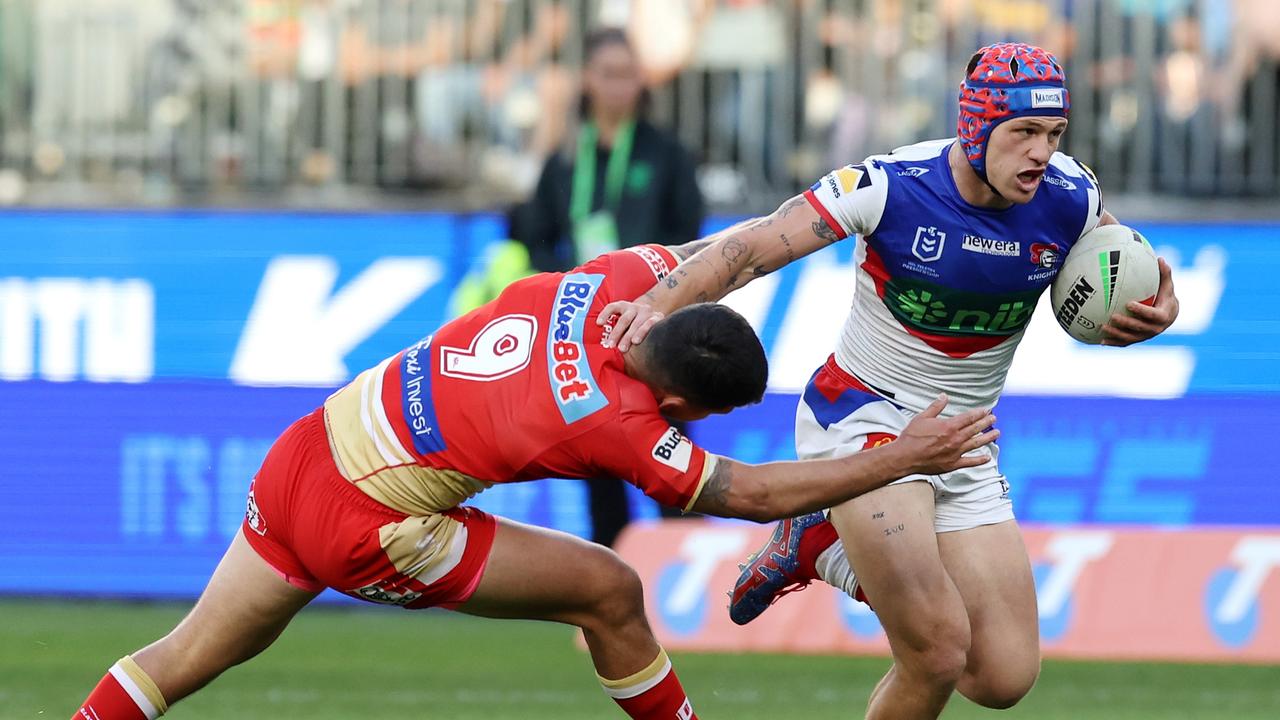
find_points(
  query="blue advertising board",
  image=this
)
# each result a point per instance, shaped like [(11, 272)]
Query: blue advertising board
[(147, 361)]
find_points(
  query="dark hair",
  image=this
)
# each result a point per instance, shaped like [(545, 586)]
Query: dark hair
[(709, 355), (597, 40)]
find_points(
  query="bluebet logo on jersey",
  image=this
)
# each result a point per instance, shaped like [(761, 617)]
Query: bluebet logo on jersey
[(928, 243), (573, 386), (987, 246)]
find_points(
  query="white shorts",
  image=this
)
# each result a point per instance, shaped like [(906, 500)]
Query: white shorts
[(839, 416)]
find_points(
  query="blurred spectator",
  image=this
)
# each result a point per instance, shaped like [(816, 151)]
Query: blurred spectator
[(1254, 58), (620, 182), (625, 183), (384, 45), (528, 93)]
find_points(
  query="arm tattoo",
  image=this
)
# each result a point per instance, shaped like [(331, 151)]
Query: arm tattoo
[(732, 250), (824, 231), (672, 281), (714, 499), (790, 205), (791, 253), (689, 249)]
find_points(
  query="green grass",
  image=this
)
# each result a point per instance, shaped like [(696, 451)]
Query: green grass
[(359, 663)]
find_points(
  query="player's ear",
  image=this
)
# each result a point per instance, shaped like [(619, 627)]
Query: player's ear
[(678, 408), (672, 406)]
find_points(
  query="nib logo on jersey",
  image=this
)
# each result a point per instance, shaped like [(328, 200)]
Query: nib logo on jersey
[(574, 387), (936, 309)]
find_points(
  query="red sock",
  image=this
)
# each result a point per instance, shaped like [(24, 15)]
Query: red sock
[(815, 540), (119, 696), (654, 693)]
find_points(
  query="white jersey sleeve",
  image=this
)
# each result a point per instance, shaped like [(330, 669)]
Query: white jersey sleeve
[(851, 199), (1076, 171)]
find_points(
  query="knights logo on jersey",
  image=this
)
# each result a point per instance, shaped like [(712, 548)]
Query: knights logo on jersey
[(1045, 255), (928, 243)]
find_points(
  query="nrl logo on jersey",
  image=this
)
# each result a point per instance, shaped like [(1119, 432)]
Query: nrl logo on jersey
[(913, 172), (928, 243)]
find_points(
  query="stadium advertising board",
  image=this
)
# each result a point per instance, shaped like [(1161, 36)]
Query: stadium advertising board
[(147, 360), (1103, 592), (310, 299)]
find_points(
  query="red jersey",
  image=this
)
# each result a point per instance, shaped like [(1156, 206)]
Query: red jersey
[(516, 390)]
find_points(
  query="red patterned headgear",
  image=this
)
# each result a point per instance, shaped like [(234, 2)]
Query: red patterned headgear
[(1005, 81)]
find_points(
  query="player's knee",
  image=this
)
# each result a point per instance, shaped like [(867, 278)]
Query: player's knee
[(617, 595), (939, 652), (941, 664), (1002, 689)]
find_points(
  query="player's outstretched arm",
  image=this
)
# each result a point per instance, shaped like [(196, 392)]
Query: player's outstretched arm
[(928, 445), (718, 264)]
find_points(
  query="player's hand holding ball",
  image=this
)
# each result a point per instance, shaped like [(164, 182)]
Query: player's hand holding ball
[(1113, 290), (938, 445)]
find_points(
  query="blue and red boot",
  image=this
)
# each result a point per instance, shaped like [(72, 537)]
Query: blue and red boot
[(785, 564)]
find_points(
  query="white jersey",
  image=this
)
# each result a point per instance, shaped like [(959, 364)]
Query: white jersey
[(945, 289)]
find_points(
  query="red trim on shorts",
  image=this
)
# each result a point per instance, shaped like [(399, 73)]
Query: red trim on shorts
[(305, 584), (481, 529), (826, 216), (842, 375)]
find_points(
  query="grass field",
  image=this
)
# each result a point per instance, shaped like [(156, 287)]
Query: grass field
[(358, 663)]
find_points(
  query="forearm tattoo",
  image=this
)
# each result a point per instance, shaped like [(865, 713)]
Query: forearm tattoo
[(714, 498), (824, 231)]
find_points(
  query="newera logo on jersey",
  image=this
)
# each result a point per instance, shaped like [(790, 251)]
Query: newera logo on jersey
[(673, 449)]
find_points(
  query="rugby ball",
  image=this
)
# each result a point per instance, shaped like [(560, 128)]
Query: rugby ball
[(1105, 270)]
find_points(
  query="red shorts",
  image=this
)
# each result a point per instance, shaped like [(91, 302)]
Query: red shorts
[(318, 530)]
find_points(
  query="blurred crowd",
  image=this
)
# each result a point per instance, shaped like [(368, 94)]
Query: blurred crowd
[(474, 95)]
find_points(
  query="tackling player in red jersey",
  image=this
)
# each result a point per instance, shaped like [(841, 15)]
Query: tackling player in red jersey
[(365, 494)]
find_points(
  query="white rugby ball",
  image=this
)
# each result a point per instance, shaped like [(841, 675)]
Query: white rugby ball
[(1105, 270)]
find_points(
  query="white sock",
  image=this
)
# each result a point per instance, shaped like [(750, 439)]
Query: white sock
[(833, 567)]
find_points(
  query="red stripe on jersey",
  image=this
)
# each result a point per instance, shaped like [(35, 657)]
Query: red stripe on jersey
[(826, 216), (956, 346)]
